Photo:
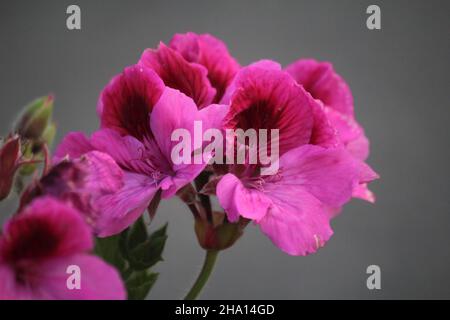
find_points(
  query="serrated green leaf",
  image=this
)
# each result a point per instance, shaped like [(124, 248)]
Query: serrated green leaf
[(137, 234), (139, 284), (108, 250), (148, 253), (161, 232)]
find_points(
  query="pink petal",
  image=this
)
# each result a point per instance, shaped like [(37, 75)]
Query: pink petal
[(104, 176), (270, 99), (359, 147), (211, 53), (237, 200), (127, 100), (130, 153), (177, 111), (320, 79), (173, 111), (121, 209), (328, 174), (361, 191), (296, 222), (11, 290), (350, 133), (177, 73), (323, 133), (74, 145), (98, 280), (46, 228), (262, 64)]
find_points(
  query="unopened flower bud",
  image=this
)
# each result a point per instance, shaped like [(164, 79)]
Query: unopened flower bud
[(220, 234), (35, 118)]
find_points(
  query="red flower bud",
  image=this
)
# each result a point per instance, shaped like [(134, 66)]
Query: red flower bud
[(220, 234), (9, 162)]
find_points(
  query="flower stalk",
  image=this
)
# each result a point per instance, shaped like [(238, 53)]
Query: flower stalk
[(208, 266)]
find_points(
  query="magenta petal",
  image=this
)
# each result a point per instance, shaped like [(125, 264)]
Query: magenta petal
[(350, 133), (9, 290), (323, 133), (270, 99), (211, 53), (104, 176), (121, 209), (74, 145), (127, 100), (237, 200), (183, 175), (265, 64), (361, 191), (210, 117), (177, 111), (46, 228), (79, 182), (127, 151), (359, 147), (213, 116), (297, 222), (328, 174), (177, 73), (262, 64), (324, 84), (173, 111), (98, 280)]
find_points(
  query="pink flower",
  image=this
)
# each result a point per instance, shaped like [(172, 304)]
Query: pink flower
[(138, 115), (38, 245), (325, 85), (200, 66), (210, 52), (177, 73), (264, 97), (292, 207), (82, 183)]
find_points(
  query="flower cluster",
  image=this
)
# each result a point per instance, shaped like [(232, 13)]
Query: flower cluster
[(126, 167)]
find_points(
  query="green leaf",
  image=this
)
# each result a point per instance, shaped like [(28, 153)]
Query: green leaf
[(108, 250), (139, 284), (132, 237), (137, 234), (148, 253), (133, 252)]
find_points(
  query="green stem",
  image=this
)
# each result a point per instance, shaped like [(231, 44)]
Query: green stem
[(208, 265)]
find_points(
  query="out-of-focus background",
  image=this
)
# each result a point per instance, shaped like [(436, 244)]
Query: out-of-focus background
[(399, 78)]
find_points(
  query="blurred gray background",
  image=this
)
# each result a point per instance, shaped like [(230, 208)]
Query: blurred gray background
[(399, 78)]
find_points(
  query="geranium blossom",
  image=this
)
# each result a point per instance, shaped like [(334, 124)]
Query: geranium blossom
[(278, 147), (293, 206), (39, 244), (138, 115)]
